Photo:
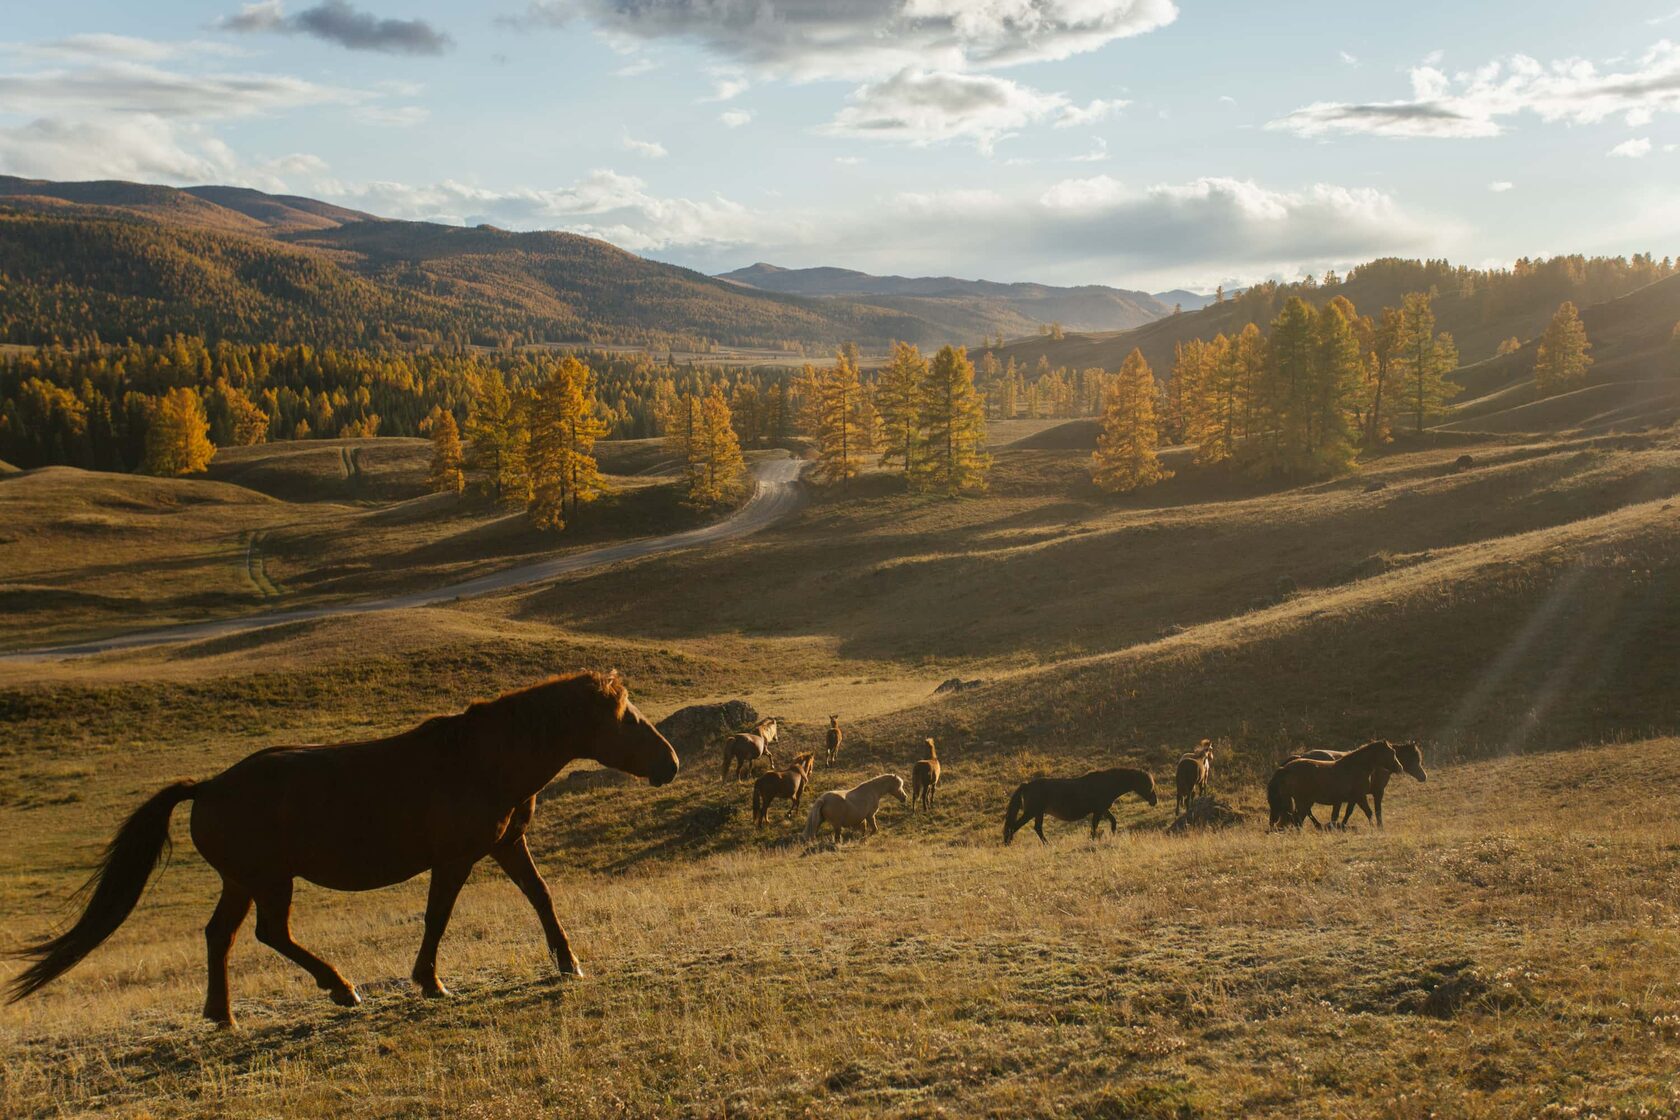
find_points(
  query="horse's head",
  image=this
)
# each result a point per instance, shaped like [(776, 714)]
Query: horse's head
[(834, 721), (896, 788), (1387, 758), (623, 738), (767, 731), (803, 763), (1146, 788), (1411, 759)]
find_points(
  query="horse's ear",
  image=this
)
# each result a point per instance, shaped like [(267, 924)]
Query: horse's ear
[(613, 685)]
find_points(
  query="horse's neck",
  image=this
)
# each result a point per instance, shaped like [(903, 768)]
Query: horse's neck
[(519, 757)]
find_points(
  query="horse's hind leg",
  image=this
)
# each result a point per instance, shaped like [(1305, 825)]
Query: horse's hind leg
[(515, 859), (223, 927), (447, 881), (1113, 824), (274, 929), (1038, 827)]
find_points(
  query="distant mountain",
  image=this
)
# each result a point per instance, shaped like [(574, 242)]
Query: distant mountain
[(1186, 301), (968, 308), (132, 260)]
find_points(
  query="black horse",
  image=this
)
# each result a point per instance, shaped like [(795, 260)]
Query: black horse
[(1072, 799)]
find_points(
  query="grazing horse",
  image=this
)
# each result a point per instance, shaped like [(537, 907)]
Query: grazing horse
[(924, 778), (833, 746), (1072, 799), (855, 807), (789, 784), (1194, 770), (1301, 783), (357, 816), (744, 748), (1411, 761)]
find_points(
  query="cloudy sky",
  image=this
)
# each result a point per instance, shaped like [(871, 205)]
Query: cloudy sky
[(1143, 143)]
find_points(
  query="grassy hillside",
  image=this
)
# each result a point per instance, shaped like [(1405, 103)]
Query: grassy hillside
[(1499, 950), (278, 526)]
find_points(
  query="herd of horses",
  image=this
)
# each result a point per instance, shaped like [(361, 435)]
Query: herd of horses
[(1343, 780), (458, 788)]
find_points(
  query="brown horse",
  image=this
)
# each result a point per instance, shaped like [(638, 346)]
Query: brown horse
[(1194, 770), (924, 778), (744, 748), (789, 784), (356, 816), (1301, 783), (1411, 761), (1072, 799), (833, 746)]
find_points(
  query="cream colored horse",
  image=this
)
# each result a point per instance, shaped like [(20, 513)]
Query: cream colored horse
[(855, 807)]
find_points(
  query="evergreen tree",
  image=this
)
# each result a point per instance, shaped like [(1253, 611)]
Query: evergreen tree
[(898, 396), (1126, 456), (832, 403), (950, 446), (446, 475), (498, 434), (719, 461), (178, 437), (1561, 361), (1425, 360), (560, 456), (1282, 442)]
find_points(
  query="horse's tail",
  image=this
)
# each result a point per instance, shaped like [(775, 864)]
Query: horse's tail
[(726, 759), (138, 847), (814, 821), (1275, 798), (1016, 803), (759, 803)]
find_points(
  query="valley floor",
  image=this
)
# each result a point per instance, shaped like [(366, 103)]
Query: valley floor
[(1504, 948)]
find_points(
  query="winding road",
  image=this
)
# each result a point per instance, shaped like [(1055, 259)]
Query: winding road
[(776, 494)]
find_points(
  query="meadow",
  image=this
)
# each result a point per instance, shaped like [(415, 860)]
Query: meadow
[(1502, 948)]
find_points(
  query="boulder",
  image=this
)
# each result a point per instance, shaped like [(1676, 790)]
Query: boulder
[(693, 729), (1206, 812), (957, 684)]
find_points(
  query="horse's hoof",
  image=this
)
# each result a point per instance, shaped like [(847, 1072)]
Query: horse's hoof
[(347, 996), (435, 991)]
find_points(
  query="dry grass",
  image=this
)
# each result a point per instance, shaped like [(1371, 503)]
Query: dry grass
[(1501, 950)]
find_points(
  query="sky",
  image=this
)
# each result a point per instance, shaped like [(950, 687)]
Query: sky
[(1140, 143)]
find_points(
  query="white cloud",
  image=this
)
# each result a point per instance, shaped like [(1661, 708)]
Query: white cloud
[(130, 87), (1097, 154), (1637, 148), (145, 147), (392, 116), (868, 38), (1347, 58), (727, 86), (1655, 21), (604, 204), (929, 107), (652, 149), (735, 118), (1500, 186), (1475, 103)]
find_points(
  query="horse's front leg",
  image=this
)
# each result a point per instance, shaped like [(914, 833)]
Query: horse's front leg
[(1038, 827), (514, 856), (1113, 824), (447, 881)]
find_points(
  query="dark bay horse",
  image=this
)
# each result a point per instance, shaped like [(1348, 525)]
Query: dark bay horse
[(782, 784), (1192, 776), (356, 816), (924, 778), (744, 748), (1411, 761), (1301, 783), (1072, 799)]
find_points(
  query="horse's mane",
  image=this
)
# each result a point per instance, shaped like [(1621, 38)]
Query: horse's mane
[(603, 684)]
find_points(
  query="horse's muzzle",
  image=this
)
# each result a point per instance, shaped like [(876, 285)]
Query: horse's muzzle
[(663, 775)]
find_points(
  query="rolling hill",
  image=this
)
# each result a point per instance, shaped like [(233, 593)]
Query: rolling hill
[(967, 308), (1480, 308), (130, 260)]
